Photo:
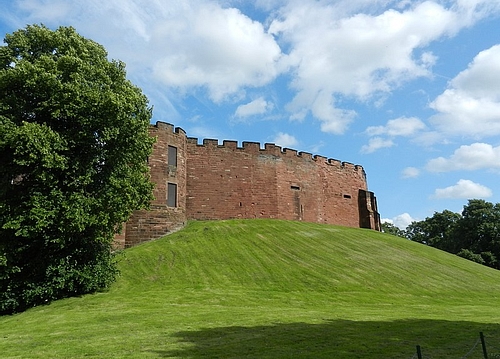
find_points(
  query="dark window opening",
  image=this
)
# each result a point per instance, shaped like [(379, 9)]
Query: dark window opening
[(347, 196), (172, 156), (295, 188), (172, 195)]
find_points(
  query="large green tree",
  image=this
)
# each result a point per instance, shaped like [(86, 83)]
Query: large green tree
[(436, 231), (474, 234), (73, 147), (478, 232)]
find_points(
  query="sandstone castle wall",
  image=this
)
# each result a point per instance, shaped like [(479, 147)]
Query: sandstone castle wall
[(212, 181)]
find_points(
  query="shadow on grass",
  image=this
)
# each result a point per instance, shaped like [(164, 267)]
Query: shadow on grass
[(339, 339)]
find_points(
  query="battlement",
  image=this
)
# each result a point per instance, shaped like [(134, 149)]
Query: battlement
[(212, 180), (168, 127), (271, 149)]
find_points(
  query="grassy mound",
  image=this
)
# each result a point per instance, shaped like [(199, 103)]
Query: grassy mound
[(271, 289)]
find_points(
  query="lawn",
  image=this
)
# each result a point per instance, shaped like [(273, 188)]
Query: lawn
[(271, 289)]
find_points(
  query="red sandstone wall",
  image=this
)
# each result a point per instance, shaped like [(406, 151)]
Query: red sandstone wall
[(370, 218), (225, 181), (229, 182), (161, 219), (317, 190)]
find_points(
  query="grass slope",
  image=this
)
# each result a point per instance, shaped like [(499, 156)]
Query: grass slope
[(271, 289)]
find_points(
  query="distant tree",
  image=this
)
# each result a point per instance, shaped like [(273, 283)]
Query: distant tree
[(73, 144), (479, 231), (392, 229), (474, 234), (436, 231), (467, 254)]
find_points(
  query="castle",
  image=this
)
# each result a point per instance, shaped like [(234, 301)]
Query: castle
[(212, 181)]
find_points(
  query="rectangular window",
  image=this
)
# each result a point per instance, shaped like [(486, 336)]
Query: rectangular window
[(295, 188), (172, 156), (172, 195)]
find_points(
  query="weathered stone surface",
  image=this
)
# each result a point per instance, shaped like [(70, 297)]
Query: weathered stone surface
[(226, 181)]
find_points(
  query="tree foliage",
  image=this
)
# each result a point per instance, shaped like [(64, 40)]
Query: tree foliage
[(73, 144), (474, 234), (479, 231), (436, 231), (390, 228)]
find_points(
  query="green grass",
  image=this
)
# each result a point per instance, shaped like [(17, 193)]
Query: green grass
[(271, 289)]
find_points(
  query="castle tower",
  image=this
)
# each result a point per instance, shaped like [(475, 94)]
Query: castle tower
[(167, 165)]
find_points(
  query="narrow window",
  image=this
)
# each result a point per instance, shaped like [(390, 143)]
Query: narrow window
[(172, 195), (347, 196), (172, 156), (295, 188)]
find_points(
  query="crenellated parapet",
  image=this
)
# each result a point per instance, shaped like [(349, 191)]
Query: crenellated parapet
[(212, 180), (271, 149), (168, 127)]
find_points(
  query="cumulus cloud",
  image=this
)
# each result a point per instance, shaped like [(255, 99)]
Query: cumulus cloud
[(285, 140), (410, 172), (474, 10), (256, 107), (464, 189), (401, 221), (332, 51), (375, 144), (468, 157), (333, 120), (218, 48), (183, 44), (471, 104), (403, 126), (356, 55)]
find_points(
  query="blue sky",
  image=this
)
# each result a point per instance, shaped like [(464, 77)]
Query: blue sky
[(410, 90)]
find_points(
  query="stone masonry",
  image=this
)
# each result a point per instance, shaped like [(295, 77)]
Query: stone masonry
[(212, 181)]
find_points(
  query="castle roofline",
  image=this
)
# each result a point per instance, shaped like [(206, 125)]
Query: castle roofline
[(267, 149)]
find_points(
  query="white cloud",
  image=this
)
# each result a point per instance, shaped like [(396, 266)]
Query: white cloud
[(218, 48), (429, 138), (464, 189), (285, 140), (256, 107), (471, 11), (401, 221), (471, 104), (356, 55), (375, 144), (403, 126), (53, 11), (182, 44), (473, 157), (333, 120), (333, 51), (410, 172)]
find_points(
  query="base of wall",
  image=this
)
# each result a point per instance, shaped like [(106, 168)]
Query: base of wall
[(146, 225)]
